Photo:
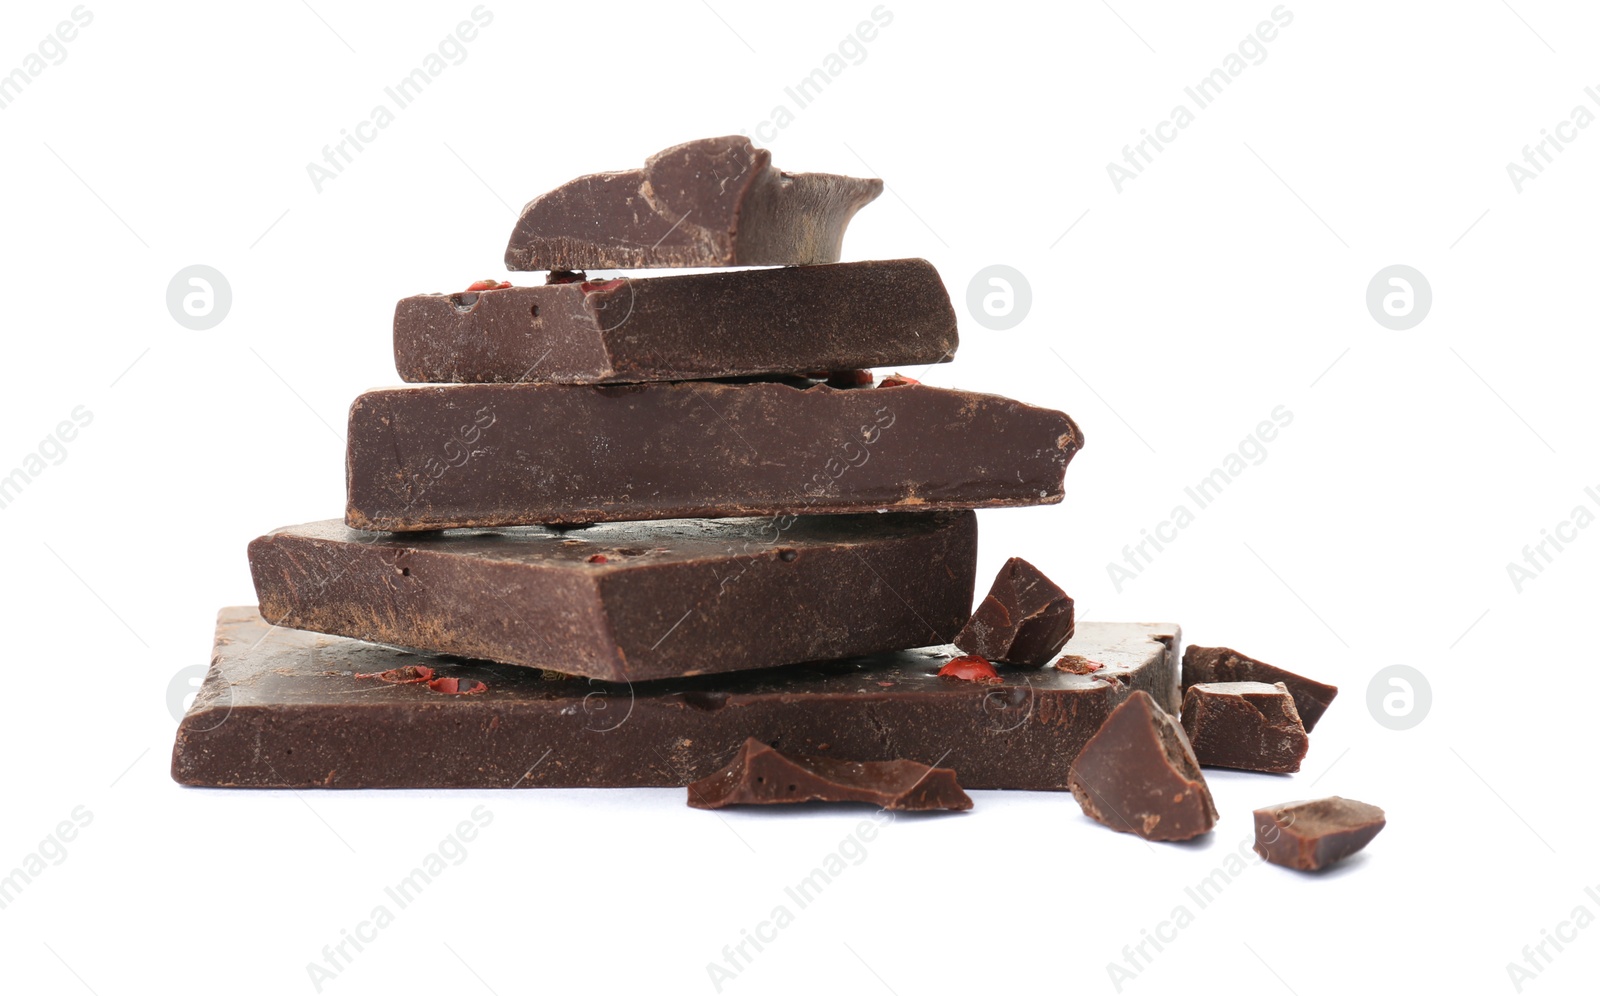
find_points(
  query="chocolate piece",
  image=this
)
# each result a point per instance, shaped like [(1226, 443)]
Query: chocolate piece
[(511, 454), (688, 327), (1025, 619), (1137, 775), (632, 601), (1311, 698), (760, 776), (1249, 725), (711, 202), (282, 708), (1311, 836)]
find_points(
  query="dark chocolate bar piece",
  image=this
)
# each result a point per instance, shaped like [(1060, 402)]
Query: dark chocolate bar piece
[(1311, 836), (1138, 775), (689, 327), (1025, 618), (283, 708), (1249, 725), (711, 202), (515, 454), (1311, 698), (760, 776), (631, 601)]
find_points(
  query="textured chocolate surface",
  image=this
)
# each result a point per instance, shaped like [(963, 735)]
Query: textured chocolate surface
[(632, 600), (761, 776), (514, 454), (1138, 775), (687, 327), (1312, 835), (283, 708), (1025, 618), (1311, 698), (1249, 725), (711, 202)]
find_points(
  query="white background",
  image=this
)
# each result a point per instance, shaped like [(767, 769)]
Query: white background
[(1226, 280)]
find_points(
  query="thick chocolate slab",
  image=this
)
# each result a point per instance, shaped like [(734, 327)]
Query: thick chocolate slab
[(514, 454), (632, 601), (1138, 775), (1310, 836), (690, 327), (711, 202), (1212, 664), (283, 708), (762, 776)]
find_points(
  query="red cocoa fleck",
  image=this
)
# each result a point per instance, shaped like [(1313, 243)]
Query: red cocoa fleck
[(598, 558), (590, 286), (970, 668), (408, 675), (483, 285), (898, 380), (850, 378), (457, 686), (1078, 665)]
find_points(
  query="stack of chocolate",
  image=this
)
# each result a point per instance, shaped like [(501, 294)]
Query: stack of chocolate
[(670, 531)]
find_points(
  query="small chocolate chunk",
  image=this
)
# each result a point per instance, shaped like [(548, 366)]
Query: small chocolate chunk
[(1249, 725), (711, 202), (696, 326), (635, 600), (1311, 698), (1025, 619), (439, 457), (1138, 775), (760, 776), (1311, 836)]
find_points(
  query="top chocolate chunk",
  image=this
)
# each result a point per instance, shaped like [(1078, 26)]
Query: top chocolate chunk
[(1209, 664), (712, 202), (687, 326), (1025, 619)]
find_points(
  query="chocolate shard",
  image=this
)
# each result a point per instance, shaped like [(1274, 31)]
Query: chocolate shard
[(1210, 664), (711, 202), (1249, 725), (688, 327), (1138, 775), (284, 708), (1312, 835), (1025, 618), (635, 600), (513, 454), (760, 776)]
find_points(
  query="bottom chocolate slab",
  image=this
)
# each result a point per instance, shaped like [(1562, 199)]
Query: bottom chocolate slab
[(284, 708)]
